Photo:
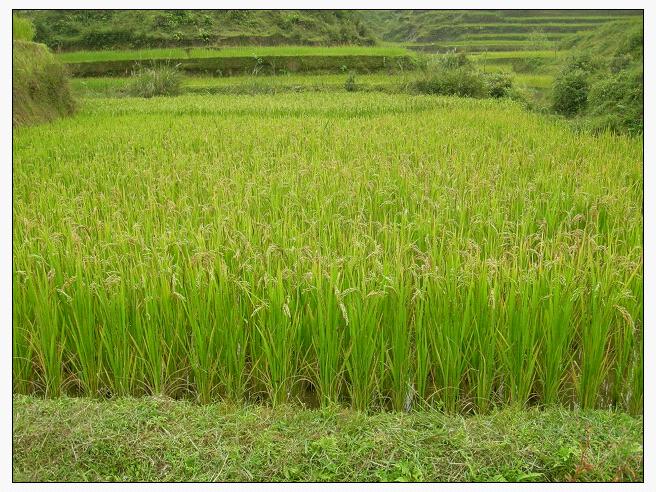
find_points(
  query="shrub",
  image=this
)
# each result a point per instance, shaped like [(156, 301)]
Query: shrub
[(22, 29), (453, 74), (616, 102), (455, 82), (155, 81), (498, 84), (583, 61), (570, 92), (452, 60)]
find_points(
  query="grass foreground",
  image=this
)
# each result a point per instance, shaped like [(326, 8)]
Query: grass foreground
[(154, 439)]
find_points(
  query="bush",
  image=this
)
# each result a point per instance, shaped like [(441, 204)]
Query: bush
[(22, 29), (616, 102), (570, 92), (155, 81), (581, 61), (453, 74), (498, 84), (453, 60), (602, 83), (455, 82)]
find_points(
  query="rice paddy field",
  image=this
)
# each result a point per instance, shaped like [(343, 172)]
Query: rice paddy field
[(379, 252), (92, 87), (108, 86), (231, 51)]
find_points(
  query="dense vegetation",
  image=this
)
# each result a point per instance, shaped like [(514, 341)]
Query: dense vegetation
[(151, 82), (121, 29), (384, 252), (230, 52), (40, 90), (602, 79), (529, 29), (276, 60), (150, 439), (22, 29), (315, 222), (454, 74)]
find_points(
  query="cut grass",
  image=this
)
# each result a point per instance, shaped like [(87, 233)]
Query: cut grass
[(466, 254), (242, 51), (163, 440)]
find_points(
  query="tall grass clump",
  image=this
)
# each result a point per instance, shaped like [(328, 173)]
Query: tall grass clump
[(40, 90), (155, 81), (392, 253), (22, 29), (454, 74)]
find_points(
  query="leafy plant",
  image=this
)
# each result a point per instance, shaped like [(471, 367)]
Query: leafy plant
[(570, 92)]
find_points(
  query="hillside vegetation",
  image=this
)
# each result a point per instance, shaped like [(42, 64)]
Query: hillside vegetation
[(601, 82), (22, 29), (107, 29), (40, 90), (492, 26)]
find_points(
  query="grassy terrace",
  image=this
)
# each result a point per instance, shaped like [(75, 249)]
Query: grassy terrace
[(152, 439), (115, 86), (519, 54), (246, 51), (485, 42), (521, 26), (112, 86)]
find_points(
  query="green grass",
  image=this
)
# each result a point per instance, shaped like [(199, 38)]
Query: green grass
[(251, 84), (518, 54), (534, 81), (248, 51), (275, 84), (381, 251), (522, 26), (163, 440), (21, 29)]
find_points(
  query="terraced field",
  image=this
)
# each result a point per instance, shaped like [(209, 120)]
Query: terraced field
[(453, 28), (229, 52), (328, 263)]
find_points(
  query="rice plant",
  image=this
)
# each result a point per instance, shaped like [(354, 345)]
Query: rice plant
[(383, 252)]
